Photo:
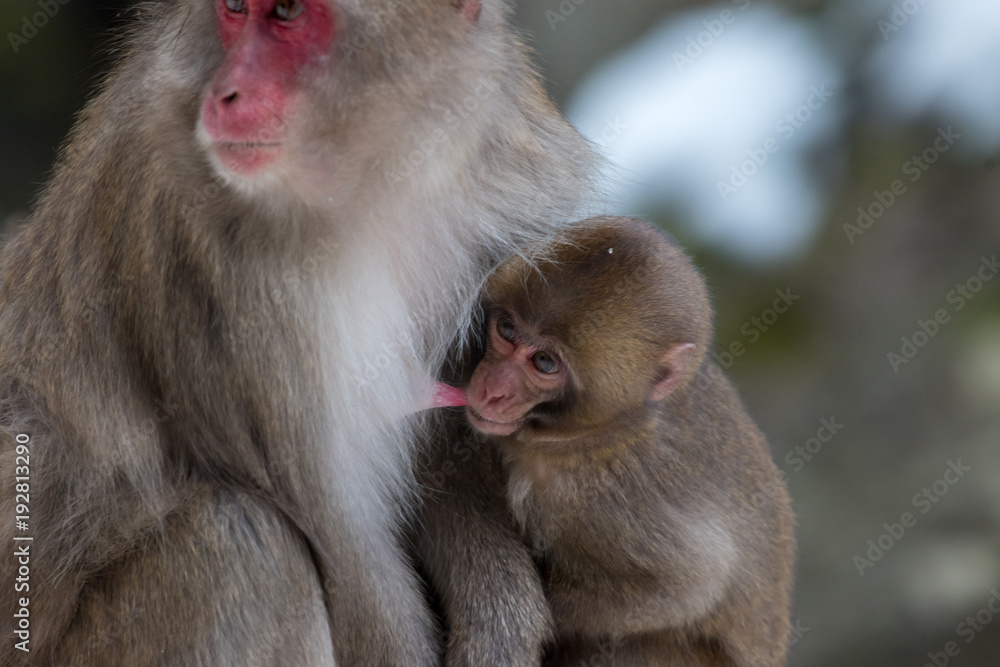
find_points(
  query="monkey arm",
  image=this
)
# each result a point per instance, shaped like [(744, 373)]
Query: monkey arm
[(489, 587)]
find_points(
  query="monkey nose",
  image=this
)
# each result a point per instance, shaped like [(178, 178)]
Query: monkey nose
[(494, 392), (495, 395)]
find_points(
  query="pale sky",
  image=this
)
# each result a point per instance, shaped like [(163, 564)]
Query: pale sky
[(763, 94)]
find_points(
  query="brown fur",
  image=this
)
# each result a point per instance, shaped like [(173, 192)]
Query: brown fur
[(216, 478), (660, 530)]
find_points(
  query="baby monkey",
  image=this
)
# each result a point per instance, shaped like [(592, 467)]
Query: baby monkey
[(653, 514)]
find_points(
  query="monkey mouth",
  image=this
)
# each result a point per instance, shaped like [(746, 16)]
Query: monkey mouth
[(490, 426), (246, 157), (246, 145)]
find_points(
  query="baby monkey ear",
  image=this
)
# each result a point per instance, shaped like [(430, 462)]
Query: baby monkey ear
[(673, 368)]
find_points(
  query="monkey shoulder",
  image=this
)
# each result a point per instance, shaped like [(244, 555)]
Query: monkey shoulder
[(649, 547), (690, 492), (711, 456), (706, 433), (636, 552)]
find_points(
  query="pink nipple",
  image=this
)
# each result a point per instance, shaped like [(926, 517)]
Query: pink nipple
[(446, 396)]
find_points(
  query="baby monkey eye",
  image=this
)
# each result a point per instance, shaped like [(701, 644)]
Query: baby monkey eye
[(506, 330), (285, 10), (238, 6), (545, 363)]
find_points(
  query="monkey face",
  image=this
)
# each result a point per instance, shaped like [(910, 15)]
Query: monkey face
[(272, 52), (592, 333), (520, 371), (304, 89)]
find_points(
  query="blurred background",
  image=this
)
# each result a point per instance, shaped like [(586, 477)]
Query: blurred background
[(834, 167)]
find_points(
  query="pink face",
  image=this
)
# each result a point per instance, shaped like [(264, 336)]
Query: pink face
[(273, 50), (518, 372)]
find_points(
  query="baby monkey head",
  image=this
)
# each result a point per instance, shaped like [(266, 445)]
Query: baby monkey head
[(589, 333)]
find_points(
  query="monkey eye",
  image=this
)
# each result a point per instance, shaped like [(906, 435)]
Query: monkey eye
[(545, 363), (238, 6), (285, 10), (506, 330)]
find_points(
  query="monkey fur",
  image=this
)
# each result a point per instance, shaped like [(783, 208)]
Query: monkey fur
[(252, 255), (607, 499)]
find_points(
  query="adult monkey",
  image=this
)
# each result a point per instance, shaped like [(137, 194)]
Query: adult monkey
[(259, 239)]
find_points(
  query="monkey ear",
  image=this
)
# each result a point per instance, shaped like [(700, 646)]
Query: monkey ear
[(469, 9), (674, 365)]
